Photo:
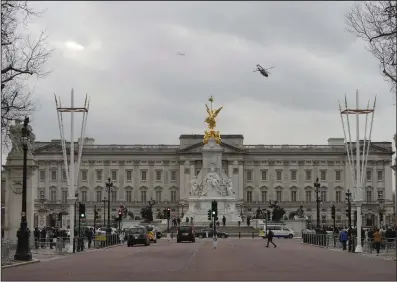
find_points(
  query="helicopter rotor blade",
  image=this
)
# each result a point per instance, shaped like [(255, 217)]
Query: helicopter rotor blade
[(270, 68)]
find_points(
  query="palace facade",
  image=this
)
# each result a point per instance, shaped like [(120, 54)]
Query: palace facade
[(285, 173)]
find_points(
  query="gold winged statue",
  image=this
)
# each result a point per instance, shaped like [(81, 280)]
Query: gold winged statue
[(211, 121)]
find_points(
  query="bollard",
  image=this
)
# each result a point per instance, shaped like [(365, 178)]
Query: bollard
[(239, 235), (74, 244)]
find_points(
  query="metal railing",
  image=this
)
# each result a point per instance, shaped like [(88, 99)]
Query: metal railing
[(8, 249), (388, 246)]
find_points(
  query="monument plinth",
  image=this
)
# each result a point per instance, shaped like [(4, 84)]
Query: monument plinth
[(212, 182)]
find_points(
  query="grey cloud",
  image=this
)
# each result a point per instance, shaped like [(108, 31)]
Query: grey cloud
[(142, 92)]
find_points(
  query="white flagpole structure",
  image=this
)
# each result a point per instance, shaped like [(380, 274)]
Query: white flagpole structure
[(70, 169), (358, 176)]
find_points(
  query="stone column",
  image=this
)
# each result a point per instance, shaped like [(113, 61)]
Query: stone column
[(137, 180), (121, 181), (151, 181), (13, 201)]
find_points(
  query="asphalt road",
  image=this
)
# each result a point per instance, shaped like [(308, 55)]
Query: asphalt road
[(232, 260)]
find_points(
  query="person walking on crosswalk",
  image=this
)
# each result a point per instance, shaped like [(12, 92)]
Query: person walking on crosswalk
[(270, 236)]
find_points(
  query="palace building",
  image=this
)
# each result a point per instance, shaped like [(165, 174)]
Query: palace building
[(260, 173)]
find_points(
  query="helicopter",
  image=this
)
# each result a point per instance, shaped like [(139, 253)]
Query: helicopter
[(263, 71)]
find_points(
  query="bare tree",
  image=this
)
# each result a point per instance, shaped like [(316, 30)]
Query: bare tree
[(21, 57), (375, 22)]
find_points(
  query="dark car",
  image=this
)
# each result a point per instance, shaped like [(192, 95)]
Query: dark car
[(203, 233), (185, 233), (138, 235)]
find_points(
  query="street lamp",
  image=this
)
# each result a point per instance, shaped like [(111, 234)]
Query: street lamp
[(317, 186), (23, 248), (109, 186), (104, 210)]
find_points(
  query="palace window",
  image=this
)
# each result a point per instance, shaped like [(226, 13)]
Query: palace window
[(323, 175), (99, 196), (249, 175), (158, 175), (369, 175), (380, 175), (293, 175), (308, 175), (338, 196), (278, 175), (128, 197), (84, 175), (54, 175), (64, 178), (143, 175), (114, 196), (53, 196), (173, 197), (42, 194), (64, 196), (369, 196), (99, 175), (380, 194), (114, 175), (264, 196), (249, 196), (143, 196), (337, 175), (279, 196), (173, 175), (158, 196), (84, 196), (42, 175), (293, 196), (323, 196), (129, 175), (264, 174), (308, 196)]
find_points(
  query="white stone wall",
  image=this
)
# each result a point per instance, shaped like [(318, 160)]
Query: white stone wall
[(186, 165)]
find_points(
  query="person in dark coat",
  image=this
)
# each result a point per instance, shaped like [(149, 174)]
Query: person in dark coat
[(270, 236), (36, 234), (43, 235)]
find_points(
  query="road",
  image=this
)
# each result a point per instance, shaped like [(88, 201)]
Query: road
[(232, 260)]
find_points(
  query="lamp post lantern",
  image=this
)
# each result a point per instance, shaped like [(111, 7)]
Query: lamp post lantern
[(109, 186), (317, 191), (23, 248)]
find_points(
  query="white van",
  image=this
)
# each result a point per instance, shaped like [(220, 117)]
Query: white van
[(279, 231)]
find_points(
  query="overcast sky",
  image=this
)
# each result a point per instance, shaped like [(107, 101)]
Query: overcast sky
[(124, 55)]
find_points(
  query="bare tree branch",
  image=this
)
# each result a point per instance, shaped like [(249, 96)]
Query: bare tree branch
[(21, 58), (376, 23)]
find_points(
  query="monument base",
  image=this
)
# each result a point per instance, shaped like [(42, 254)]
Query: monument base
[(199, 207)]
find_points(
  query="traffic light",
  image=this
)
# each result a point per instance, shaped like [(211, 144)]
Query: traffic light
[(209, 214), (333, 211), (96, 214), (168, 213), (82, 210), (347, 212), (214, 208), (59, 217), (120, 215)]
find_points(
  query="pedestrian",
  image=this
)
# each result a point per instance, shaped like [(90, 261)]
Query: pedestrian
[(377, 240), (179, 221), (224, 221), (36, 234), (343, 238), (270, 236)]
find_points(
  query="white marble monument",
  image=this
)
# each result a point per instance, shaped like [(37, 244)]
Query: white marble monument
[(212, 183)]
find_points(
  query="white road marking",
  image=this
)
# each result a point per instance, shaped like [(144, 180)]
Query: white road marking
[(191, 258)]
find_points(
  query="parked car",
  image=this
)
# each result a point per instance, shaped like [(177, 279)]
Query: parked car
[(138, 235), (209, 232), (185, 233), (279, 231)]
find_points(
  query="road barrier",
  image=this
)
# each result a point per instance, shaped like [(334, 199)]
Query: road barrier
[(8, 249), (331, 241)]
